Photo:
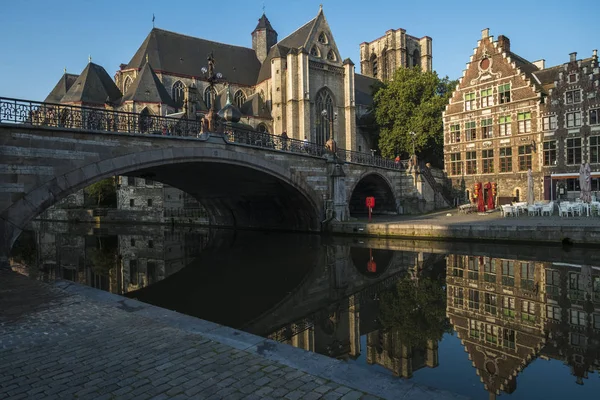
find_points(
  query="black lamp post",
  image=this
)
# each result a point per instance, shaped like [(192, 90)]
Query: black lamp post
[(212, 78)]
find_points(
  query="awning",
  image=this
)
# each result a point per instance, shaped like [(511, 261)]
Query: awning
[(567, 175)]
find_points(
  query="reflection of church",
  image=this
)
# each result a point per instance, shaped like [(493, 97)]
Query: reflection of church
[(509, 312)]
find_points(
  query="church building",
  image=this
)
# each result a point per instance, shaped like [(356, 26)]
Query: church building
[(278, 84)]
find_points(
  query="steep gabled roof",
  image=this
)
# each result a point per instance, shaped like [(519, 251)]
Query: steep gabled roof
[(363, 89), (527, 68), (61, 88), (93, 86), (300, 36), (173, 53), (148, 88)]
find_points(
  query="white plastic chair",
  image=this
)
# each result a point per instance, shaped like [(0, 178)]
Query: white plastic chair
[(507, 210), (564, 210), (547, 208), (532, 210)]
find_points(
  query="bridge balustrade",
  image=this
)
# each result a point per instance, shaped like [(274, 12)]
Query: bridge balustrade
[(106, 120)]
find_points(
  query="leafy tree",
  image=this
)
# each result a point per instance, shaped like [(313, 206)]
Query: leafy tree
[(412, 102), (416, 309), (104, 257), (104, 192)]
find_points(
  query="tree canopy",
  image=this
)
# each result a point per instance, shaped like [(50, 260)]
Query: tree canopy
[(416, 309), (412, 102), (104, 192)]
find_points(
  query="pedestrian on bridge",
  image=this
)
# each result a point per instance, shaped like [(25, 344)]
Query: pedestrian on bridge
[(284, 141)]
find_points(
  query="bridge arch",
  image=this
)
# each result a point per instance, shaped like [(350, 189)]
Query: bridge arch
[(376, 185), (259, 193)]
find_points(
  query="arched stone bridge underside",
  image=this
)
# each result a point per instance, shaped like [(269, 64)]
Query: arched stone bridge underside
[(240, 185)]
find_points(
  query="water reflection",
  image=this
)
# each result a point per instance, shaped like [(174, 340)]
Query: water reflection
[(439, 314)]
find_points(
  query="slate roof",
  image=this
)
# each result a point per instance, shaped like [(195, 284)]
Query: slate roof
[(547, 76), (263, 23), (363, 90), (148, 88), (255, 106), (93, 86), (61, 88), (300, 36), (527, 68), (276, 51), (178, 54)]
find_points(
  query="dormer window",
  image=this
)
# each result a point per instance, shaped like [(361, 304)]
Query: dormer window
[(572, 78), (331, 56), (323, 38), (314, 51)]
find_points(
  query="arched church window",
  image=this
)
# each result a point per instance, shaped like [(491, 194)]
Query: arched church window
[(331, 55), (239, 98), (323, 123), (177, 93), (374, 65), (127, 84), (262, 128), (322, 38), (314, 51), (209, 96), (416, 58)]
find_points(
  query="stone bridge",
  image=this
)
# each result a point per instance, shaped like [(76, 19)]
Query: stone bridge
[(241, 183)]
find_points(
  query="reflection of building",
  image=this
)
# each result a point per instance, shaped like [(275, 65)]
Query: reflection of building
[(115, 263), (496, 306), (572, 317), (386, 349), (508, 312)]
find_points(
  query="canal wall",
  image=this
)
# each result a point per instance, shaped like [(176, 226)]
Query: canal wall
[(563, 231)]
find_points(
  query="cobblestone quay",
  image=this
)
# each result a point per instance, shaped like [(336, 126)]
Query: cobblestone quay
[(63, 341)]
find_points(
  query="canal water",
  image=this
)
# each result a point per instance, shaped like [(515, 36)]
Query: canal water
[(480, 320)]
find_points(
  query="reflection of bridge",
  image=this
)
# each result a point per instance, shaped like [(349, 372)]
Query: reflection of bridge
[(242, 178)]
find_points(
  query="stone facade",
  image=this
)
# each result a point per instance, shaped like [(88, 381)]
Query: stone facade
[(498, 119), (383, 56)]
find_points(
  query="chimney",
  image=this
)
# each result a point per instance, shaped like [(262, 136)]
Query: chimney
[(541, 64), (504, 42), (485, 33), (573, 56)]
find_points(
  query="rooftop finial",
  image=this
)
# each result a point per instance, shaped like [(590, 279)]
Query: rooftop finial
[(90, 58), (320, 7), (153, 18), (65, 70), (263, 7)]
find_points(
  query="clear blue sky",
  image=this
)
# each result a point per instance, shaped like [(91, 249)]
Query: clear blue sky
[(41, 37)]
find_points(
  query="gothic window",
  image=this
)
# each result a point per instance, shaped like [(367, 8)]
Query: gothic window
[(262, 128), (331, 55), (177, 93), (314, 51), (239, 98), (323, 38), (374, 65), (127, 85), (416, 58), (209, 96), (324, 102)]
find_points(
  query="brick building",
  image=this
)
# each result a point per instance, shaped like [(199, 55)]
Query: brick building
[(508, 115)]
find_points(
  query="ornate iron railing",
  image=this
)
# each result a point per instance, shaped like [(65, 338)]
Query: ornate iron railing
[(92, 119), (106, 120)]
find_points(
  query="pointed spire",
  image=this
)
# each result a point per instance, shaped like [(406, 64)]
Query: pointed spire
[(320, 8), (90, 58)]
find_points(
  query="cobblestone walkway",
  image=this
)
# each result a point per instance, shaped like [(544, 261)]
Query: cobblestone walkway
[(57, 344)]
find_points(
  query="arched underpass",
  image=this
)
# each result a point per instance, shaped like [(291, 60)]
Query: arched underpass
[(372, 185), (239, 196)]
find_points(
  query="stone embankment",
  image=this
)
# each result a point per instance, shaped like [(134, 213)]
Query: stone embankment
[(448, 225)]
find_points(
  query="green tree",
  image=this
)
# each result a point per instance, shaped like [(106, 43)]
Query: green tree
[(104, 192), (412, 102), (416, 309)]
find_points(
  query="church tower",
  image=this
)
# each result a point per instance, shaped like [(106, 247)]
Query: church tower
[(263, 37)]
